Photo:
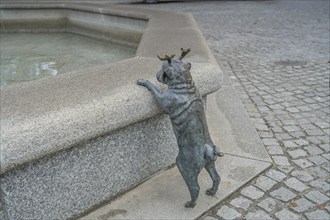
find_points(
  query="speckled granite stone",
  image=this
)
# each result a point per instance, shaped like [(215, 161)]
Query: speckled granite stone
[(79, 178)]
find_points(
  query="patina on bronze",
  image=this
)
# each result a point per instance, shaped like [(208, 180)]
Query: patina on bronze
[(182, 102)]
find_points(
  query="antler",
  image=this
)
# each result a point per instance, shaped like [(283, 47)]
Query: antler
[(167, 57), (184, 52)]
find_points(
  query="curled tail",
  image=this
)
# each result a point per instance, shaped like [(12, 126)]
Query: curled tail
[(218, 153), (210, 153)]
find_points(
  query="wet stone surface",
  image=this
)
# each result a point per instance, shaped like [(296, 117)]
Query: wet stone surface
[(276, 54)]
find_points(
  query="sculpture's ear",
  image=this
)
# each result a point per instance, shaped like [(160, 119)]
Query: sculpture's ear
[(188, 65)]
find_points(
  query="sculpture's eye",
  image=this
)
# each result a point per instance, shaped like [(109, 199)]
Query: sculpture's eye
[(168, 72)]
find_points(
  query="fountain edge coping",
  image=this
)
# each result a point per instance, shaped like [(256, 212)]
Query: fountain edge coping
[(91, 109)]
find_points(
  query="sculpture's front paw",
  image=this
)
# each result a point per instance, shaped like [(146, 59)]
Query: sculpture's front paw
[(190, 204), (142, 82)]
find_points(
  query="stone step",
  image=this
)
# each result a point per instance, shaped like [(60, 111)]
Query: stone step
[(164, 195)]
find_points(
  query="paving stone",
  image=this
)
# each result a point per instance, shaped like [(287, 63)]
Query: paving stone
[(228, 213), (308, 100), (265, 183), (290, 144), (318, 172), (252, 192), (313, 150), (320, 184), (285, 214), (314, 132), (313, 140), (267, 204), (261, 127), (322, 124), (292, 110), (326, 156), (265, 134), (269, 141), (301, 142), (315, 106), (274, 150), (285, 169), (271, 101), (276, 106), (303, 108), (291, 128), (289, 122), (283, 194), (281, 160), (317, 215), (308, 126), (297, 153), (318, 160), (316, 197), (326, 166), (210, 218), (241, 202), (325, 147), (303, 163), (302, 175), (282, 136), (327, 207), (276, 175), (302, 205), (257, 215), (297, 134), (324, 139), (295, 184)]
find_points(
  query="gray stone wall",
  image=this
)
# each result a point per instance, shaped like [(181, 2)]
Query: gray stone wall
[(75, 180)]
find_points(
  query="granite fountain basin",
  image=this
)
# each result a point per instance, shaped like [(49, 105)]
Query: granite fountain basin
[(73, 141)]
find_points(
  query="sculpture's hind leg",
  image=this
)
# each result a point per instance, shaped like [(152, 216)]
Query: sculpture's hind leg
[(190, 176), (210, 167)]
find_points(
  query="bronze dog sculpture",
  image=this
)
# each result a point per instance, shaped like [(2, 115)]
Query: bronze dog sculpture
[(185, 107)]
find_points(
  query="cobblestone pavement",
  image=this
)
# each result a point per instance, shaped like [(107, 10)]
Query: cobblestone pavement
[(277, 56)]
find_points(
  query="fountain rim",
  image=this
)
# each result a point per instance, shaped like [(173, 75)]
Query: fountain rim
[(67, 125)]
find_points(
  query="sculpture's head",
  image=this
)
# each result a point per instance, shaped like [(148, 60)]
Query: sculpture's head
[(174, 71)]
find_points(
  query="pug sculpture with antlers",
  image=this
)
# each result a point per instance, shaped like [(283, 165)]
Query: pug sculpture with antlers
[(182, 102)]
